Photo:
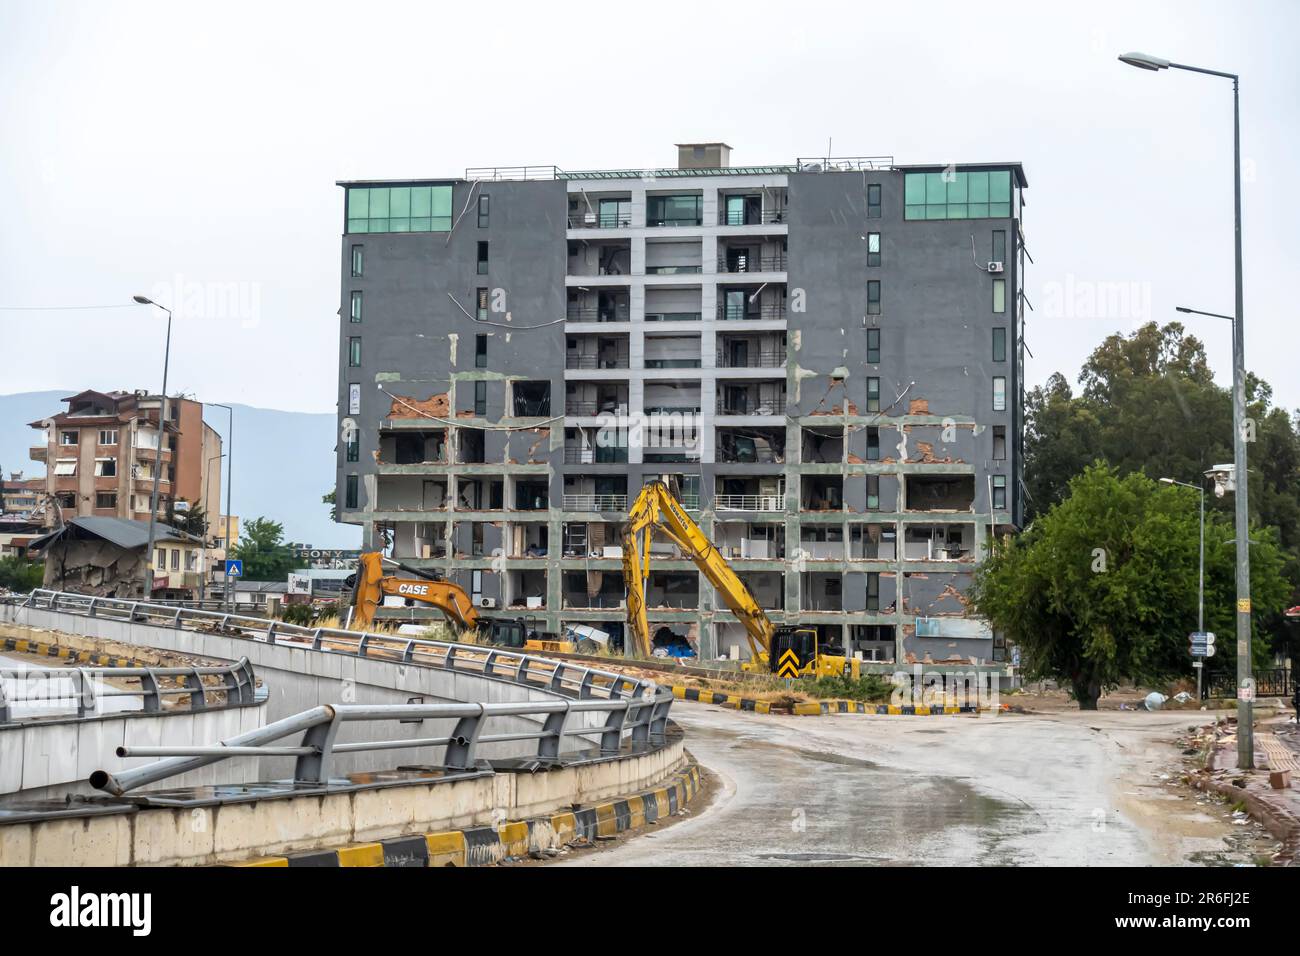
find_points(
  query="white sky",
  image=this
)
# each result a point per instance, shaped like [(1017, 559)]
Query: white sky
[(185, 149)]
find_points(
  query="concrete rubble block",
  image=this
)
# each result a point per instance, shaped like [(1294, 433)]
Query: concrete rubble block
[(1279, 779)]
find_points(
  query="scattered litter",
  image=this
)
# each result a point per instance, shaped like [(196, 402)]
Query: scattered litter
[(1154, 700), (1182, 697)]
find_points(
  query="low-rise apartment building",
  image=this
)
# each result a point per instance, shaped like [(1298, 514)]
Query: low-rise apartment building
[(101, 452)]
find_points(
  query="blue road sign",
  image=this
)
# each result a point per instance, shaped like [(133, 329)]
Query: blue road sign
[(234, 569)]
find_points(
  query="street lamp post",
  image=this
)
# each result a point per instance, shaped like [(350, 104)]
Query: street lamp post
[(230, 480), (157, 466), (1245, 695), (207, 470), (1200, 589)]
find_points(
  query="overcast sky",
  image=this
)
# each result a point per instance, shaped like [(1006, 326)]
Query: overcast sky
[(190, 151)]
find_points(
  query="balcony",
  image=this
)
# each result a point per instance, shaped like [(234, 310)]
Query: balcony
[(38, 452), (587, 455), (752, 312), (735, 264), (770, 503), (616, 359), (602, 308), (605, 219), (595, 502), (750, 216), (748, 403), (751, 358)]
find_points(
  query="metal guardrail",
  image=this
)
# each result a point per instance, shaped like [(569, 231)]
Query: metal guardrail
[(633, 706), (500, 173), (749, 502), (237, 683), (645, 720)]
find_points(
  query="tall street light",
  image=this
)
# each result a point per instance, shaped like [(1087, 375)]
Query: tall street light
[(1245, 695), (1200, 590), (157, 467), (230, 480)]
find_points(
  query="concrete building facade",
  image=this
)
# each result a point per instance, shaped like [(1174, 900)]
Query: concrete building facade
[(822, 357), (101, 451)]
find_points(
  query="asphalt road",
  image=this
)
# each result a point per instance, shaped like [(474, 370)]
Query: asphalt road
[(1061, 789)]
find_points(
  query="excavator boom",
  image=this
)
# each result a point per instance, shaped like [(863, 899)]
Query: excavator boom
[(656, 506), (372, 585)]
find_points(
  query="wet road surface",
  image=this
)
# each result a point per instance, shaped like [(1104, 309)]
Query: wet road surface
[(1060, 789)]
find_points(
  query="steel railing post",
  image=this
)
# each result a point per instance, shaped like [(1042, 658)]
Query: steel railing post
[(314, 768), (198, 699), (152, 700), (611, 737), (464, 741), (548, 745)]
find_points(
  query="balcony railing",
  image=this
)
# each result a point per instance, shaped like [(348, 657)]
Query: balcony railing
[(674, 270), (675, 222), (751, 313), (756, 456), (749, 502), (620, 313), (578, 455), (740, 217), (766, 406), (595, 502), (759, 358), (672, 316), (738, 264), (620, 360), (574, 406), (601, 220)]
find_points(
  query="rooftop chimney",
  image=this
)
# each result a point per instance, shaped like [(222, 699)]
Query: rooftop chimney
[(703, 155)]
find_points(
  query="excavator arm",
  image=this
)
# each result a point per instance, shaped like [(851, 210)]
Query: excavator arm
[(656, 506), (372, 585)]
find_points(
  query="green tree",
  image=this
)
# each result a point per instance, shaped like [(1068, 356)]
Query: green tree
[(20, 574), (1148, 403), (262, 549), (1103, 587), (328, 499)]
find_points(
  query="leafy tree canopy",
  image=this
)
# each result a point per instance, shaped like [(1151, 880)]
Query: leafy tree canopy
[(262, 549), (1103, 587)]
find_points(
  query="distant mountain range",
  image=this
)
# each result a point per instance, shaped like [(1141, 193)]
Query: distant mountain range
[(284, 462)]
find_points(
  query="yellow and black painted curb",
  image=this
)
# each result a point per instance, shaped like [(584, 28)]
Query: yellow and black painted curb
[(812, 708), (20, 645), (482, 846)]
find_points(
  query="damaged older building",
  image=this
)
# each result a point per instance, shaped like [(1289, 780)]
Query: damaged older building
[(823, 357)]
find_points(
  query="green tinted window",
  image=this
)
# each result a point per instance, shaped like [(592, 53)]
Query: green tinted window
[(399, 209), (953, 195)]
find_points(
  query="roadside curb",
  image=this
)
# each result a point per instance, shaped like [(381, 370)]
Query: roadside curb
[(815, 708), (1260, 804), (486, 845), (40, 648)]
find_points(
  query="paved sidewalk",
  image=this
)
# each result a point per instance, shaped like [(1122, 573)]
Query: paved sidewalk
[(1277, 747)]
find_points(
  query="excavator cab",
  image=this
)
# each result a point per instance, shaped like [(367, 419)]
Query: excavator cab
[(793, 652)]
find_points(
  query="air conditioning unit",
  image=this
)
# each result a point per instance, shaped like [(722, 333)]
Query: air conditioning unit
[(485, 602), (995, 267)]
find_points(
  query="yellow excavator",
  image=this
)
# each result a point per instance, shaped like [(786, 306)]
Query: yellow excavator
[(371, 584), (785, 651)]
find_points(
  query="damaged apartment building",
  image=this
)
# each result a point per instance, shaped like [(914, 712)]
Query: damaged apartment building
[(823, 359)]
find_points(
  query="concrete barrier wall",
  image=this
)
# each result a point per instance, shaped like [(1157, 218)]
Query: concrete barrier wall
[(232, 832), (300, 678), (49, 759)]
